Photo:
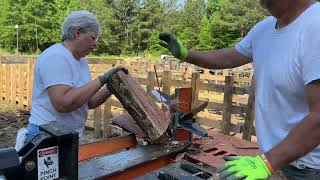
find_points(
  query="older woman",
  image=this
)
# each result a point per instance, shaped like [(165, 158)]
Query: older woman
[(63, 90)]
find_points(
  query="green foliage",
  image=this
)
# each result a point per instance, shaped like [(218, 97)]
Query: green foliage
[(205, 38), (130, 27), (148, 17), (233, 21), (154, 47), (216, 6), (37, 22)]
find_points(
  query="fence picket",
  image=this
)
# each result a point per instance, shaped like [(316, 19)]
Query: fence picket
[(13, 84), (227, 101), (30, 82), (21, 86), (248, 125), (195, 84), (1, 81), (8, 82), (97, 122), (107, 115)]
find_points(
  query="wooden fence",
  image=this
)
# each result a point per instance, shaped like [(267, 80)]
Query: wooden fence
[(16, 76)]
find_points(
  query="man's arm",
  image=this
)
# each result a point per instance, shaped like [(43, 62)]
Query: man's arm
[(217, 59), (304, 137), (66, 99)]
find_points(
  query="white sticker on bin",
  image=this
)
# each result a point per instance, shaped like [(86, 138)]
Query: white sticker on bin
[(48, 163)]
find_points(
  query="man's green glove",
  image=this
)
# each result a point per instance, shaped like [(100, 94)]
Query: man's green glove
[(174, 45), (244, 167)]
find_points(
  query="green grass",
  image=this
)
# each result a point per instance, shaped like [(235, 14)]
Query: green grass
[(109, 56), (151, 58), (4, 52), (145, 56), (6, 107)]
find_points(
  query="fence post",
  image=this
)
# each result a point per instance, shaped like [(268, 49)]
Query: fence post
[(29, 82), (150, 67), (151, 81), (13, 84), (94, 71), (118, 63), (189, 70), (107, 119), (21, 86), (195, 84), (8, 82), (206, 74), (227, 102), (97, 122), (248, 124), (166, 82)]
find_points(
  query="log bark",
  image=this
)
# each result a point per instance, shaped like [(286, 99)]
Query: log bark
[(151, 119)]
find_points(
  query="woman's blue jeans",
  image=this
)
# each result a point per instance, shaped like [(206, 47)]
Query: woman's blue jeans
[(33, 130)]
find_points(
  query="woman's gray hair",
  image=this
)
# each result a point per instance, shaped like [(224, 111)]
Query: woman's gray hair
[(84, 21)]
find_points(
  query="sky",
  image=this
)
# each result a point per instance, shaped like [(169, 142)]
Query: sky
[(180, 1)]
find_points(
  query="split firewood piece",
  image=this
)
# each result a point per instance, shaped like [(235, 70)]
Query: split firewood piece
[(151, 119), (128, 123)]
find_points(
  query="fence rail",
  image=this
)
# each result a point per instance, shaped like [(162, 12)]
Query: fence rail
[(16, 76)]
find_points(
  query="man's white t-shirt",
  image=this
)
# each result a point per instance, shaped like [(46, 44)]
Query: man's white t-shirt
[(57, 66), (285, 61)]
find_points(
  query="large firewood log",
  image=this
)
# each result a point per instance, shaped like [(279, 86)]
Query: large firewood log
[(139, 105)]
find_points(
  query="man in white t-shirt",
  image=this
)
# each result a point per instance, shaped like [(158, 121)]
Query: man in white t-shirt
[(285, 50), (63, 90)]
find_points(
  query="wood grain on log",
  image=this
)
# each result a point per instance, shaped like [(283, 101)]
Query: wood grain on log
[(139, 105)]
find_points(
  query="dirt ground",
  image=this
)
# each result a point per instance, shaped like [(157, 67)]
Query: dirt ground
[(11, 121)]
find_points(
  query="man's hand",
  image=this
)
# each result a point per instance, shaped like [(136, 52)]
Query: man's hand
[(244, 167), (174, 45), (104, 78)]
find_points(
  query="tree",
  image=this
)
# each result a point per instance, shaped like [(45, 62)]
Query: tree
[(39, 24), (233, 21), (215, 6), (120, 25), (103, 11), (190, 22), (154, 45), (4, 6), (130, 26), (205, 38), (147, 18), (171, 17)]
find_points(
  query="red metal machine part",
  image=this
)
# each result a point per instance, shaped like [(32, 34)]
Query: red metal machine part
[(212, 149), (98, 149)]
